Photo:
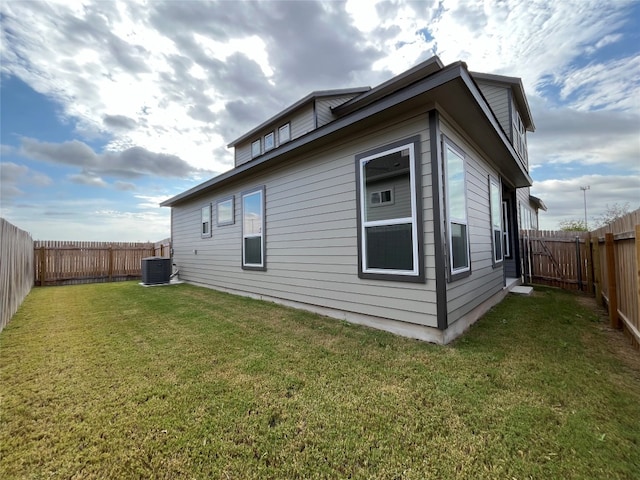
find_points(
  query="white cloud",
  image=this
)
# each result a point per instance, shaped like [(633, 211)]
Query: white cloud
[(87, 179), (97, 219), (176, 81), (15, 179), (565, 199)]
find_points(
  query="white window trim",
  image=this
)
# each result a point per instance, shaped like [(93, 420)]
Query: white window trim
[(494, 182), (248, 193), (452, 220), (206, 234), (395, 221)]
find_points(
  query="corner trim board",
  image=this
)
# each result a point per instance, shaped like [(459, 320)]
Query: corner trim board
[(438, 218)]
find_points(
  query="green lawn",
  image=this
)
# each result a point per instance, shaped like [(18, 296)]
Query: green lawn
[(120, 381)]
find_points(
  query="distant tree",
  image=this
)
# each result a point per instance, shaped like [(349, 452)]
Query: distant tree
[(573, 226), (612, 213)]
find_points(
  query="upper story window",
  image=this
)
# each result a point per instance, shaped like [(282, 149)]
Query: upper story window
[(519, 136), (456, 203), (284, 133), (205, 224), (389, 239), (269, 141), (255, 148)]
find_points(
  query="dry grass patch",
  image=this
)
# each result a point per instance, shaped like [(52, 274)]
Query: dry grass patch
[(119, 381)]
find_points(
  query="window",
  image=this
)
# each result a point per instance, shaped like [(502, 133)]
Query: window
[(496, 219), (225, 211), (456, 200), (255, 148), (205, 225), (383, 197), (253, 223), (389, 241), (284, 133), (519, 136), (269, 142)]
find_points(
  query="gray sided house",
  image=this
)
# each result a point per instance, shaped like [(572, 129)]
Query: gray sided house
[(396, 207)]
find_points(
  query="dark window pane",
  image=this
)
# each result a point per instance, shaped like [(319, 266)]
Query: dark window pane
[(253, 250), (497, 239), (459, 249), (390, 247)]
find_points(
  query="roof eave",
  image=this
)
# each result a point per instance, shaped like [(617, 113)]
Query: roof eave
[(300, 103), (538, 202), (417, 73), (447, 74)]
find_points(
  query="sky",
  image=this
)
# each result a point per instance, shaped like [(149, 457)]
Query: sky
[(108, 108)]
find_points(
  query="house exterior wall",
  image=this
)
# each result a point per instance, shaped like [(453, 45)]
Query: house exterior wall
[(485, 280), (311, 234), (324, 105), (498, 99), (301, 121)]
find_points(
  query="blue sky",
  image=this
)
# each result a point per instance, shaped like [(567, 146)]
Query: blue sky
[(108, 108)]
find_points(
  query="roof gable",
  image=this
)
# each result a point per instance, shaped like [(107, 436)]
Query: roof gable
[(451, 87), (515, 84), (299, 104)]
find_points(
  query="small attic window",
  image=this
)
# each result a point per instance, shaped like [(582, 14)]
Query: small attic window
[(255, 148), (269, 141), (284, 133)]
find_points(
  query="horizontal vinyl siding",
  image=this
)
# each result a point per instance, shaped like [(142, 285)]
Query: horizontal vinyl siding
[(301, 121), (311, 235), (498, 100), (243, 153), (464, 294), (324, 106)]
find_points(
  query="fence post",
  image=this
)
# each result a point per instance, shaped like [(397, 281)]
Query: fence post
[(43, 265), (578, 263), (637, 240), (110, 263), (611, 277), (597, 271), (589, 259)]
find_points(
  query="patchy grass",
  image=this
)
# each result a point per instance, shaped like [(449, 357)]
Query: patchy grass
[(119, 381)]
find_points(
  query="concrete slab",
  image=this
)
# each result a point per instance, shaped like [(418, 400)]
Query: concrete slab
[(522, 290)]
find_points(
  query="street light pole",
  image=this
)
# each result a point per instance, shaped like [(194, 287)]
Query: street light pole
[(584, 191)]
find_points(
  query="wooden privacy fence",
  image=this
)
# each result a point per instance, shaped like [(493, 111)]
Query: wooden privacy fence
[(67, 263), (16, 269), (604, 262)]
